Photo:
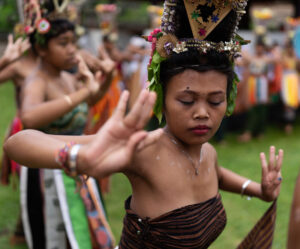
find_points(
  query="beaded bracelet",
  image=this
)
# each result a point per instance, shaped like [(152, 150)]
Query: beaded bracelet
[(62, 158)]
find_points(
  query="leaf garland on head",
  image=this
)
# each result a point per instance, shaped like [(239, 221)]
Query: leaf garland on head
[(155, 84), (154, 74), (232, 94)]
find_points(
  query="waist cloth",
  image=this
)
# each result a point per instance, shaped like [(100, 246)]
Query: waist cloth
[(192, 226)]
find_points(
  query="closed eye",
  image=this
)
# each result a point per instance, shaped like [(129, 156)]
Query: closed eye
[(216, 103), (186, 102)]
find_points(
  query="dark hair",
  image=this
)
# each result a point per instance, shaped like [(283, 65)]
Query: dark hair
[(58, 27), (192, 59)]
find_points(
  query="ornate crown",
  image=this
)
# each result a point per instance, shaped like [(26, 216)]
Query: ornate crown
[(204, 16)]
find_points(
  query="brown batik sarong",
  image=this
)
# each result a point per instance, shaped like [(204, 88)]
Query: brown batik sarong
[(194, 226), (261, 236)]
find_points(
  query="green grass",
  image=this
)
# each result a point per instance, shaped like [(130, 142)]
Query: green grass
[(9, 195), (241, 158)]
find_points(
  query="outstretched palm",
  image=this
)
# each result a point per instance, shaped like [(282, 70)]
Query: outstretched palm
[(271, 174), (114, 145), (15, 50)]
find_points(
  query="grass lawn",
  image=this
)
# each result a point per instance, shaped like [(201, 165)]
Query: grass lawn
[(241, 158)]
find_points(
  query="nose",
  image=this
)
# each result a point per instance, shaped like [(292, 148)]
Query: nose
[(71, 49), (200, 112)]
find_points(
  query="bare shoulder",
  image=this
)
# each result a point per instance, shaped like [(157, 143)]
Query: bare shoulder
[(34, 90), (209, 149), (146, 156), (70, 80)]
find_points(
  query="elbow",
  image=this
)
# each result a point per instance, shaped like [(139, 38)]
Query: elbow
[(28, 121), (9, 144)]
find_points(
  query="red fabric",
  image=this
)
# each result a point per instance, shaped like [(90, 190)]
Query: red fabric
[(10, 167)]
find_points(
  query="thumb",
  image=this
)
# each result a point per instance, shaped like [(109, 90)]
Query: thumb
[(98, 76), (10, 39)]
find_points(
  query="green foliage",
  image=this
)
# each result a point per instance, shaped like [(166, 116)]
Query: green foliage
[(8, 15), (155, 84), (133, 13)]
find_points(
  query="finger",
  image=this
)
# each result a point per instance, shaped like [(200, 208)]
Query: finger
[(10, 39), (18, 42), (134, 140), (131, 120), (103, 53), (279, 160), (26, 45), (98, 76), (272, 158), (151, 138), (145, 115), (122, 104), (278, 180), (264, 165)]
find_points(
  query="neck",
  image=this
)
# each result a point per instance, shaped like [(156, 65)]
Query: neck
[(49, 68), (194, 150)]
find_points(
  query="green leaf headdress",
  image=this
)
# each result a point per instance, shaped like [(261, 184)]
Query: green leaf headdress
[(164, 42)]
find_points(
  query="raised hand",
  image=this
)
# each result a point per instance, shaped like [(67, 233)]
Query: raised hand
[(87, 77), (114, 145), (15, 50), (106, 63), (271, 174)]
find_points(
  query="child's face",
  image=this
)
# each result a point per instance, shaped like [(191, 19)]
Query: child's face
[(195, 104), (61, 51)]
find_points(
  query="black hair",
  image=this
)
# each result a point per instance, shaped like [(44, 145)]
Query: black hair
[(58, 26), (192, 59), (260, 41)]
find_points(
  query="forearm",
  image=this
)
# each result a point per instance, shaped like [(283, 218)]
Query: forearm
[(4, 62), (33, 149), (232, 182), (36, 149), (47, 112)]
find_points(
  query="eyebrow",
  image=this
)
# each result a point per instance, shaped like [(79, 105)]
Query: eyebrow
[(195, 93)]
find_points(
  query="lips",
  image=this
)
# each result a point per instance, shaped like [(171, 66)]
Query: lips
[(72, 60), (200, 130)]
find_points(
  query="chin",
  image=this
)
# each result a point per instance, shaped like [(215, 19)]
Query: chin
[(70, 67)]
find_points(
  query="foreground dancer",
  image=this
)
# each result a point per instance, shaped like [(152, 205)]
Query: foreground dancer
[(174, 174)]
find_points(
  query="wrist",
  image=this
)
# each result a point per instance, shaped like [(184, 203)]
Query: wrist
[(82, 160), (4, 61)]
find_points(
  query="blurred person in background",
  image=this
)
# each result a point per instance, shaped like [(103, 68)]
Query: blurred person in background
[(289, 86), (258, 91), (56, 102)]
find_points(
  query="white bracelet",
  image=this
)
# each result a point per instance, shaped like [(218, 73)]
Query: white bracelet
[(73, 159), (68, 99), (245, 185)]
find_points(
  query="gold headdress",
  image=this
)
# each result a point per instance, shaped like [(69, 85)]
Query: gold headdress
[(204, 16)]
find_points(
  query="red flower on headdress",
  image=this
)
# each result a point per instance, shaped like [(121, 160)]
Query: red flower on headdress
[(28, 30), (153, 39), (43, 26)]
